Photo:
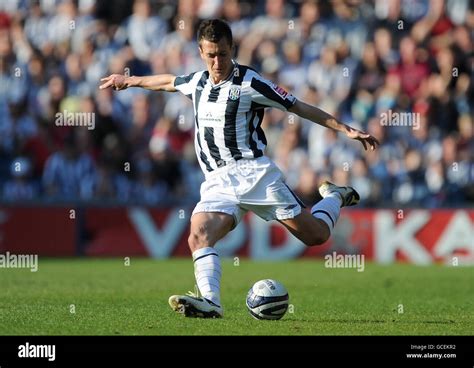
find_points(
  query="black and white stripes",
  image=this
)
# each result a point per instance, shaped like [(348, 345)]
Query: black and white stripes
[(229, 115)]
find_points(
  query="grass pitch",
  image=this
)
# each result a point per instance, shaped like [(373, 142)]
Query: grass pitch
[(106, 297)]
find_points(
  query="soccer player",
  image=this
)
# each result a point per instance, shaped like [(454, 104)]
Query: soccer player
[(229, 101)]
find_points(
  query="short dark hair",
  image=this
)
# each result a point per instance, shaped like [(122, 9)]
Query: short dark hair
[(214, 30)]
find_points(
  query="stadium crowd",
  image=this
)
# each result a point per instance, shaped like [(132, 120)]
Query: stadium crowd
[(401, 69)]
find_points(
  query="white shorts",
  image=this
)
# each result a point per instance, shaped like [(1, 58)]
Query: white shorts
[(255, 185)]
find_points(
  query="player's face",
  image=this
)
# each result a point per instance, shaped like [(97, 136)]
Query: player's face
[(218, 58)]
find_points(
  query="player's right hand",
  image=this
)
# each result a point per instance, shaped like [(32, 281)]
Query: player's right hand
[(116, 81)]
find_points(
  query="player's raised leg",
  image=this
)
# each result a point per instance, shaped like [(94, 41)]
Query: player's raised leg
[(206, 229), (316, 228)]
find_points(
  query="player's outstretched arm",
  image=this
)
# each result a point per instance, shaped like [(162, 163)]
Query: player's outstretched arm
[(327, 120), (160, 82)]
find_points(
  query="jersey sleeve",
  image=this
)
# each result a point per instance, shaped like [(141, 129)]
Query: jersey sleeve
[(267, 93), (186, 84)]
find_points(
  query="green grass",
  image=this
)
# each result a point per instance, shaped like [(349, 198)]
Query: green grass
[(110, 298)]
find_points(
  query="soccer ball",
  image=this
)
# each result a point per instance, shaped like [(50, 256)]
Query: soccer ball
[(267, 299)]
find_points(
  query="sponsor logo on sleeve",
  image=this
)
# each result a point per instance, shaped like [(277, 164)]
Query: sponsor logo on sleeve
[(281, 91)]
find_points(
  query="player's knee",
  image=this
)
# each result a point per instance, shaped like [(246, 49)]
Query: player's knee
[(195, 242), (199, 238)]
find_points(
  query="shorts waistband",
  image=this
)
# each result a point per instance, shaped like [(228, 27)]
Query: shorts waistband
[(236, 163)]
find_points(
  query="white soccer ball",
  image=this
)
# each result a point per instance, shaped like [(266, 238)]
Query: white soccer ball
[(267, 299)]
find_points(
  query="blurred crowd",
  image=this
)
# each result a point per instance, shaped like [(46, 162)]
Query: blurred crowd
[(401, 69)]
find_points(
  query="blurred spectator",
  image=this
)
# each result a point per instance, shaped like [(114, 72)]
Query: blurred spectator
[(105, 183), (139, 132), (411, 70), (371, 73), (16, 126), (442, 113), (180, 48), (293, 72), (289, 156), (384, 48), (169, 130), (360, 179), (348, 26), (234, 12), (166, 164), (329, 77), (148, 189), (19, 187), (141, 30), (65, 171)]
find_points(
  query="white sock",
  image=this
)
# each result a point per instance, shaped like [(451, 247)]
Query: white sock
[(328, 210), (207, 270)]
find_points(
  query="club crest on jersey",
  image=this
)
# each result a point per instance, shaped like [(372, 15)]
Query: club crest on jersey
[(280, 91), (234, 92)]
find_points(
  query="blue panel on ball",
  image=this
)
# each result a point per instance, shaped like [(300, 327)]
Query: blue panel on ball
[(254, 301)]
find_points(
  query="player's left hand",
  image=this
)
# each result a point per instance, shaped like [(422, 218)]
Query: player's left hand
[(116, 81), (365, 138)]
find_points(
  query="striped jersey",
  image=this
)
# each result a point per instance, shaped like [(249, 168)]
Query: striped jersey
[(228, 115)]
